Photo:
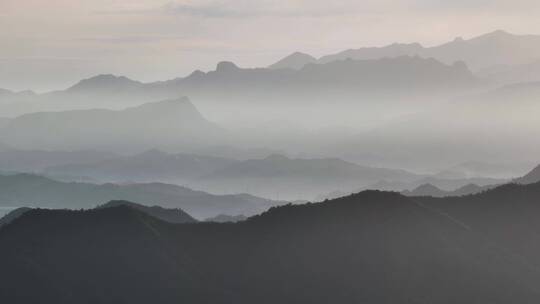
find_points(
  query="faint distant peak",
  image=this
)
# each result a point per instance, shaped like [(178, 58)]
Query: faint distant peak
[(226, 66), (296, 60), (276, 157), (152, 153), (4, 91), (182, 103), (426, 188), (498, 35), (104, 81)]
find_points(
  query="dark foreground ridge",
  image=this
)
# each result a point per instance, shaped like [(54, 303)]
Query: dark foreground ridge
[(371, 247)]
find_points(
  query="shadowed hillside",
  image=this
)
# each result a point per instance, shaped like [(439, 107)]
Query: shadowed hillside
[(371, 247)]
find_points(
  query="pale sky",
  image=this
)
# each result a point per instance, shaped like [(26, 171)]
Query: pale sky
[(50, 44)]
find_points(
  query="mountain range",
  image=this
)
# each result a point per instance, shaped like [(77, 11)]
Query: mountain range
[(279, 176), (374, 247), (433, 191), (149, 166), (498, 48), (37, 191), (275, 175), (232, 94)]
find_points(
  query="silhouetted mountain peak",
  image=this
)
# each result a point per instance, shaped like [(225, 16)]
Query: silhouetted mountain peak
[(497, 34), (425, 190), (276, 158), (196, 74), (180, 107), (296, 60), (104, 82), (226, 66)]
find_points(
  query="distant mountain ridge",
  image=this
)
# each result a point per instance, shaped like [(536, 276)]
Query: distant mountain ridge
[(168, 123), (149, 166), (488, 50), (432, 191), (296, 178), (231, 88), (38, 191)]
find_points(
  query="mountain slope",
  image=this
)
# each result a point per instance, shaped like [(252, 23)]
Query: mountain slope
[(371, 247), (530, 178), (169, 123), (12, 215)]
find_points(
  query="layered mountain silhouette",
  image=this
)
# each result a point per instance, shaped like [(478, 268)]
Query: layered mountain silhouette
[(433, 191), (498, 124), (498, 48), (275, 176), (231, 88), (168, 124), (384, 72), (38, 191), (471, 169), (152, 165), (279, 176), (374, 247), (38, 160), (430, 185)]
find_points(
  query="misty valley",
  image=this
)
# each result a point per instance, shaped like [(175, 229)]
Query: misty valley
[(395, 174)]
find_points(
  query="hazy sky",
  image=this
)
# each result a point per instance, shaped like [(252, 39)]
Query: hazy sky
[(49, 44)]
